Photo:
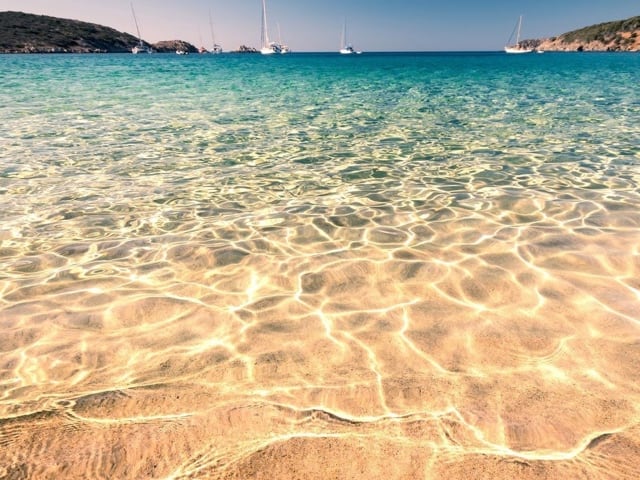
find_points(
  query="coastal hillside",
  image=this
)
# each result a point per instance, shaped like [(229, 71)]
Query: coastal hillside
[(617, 36), (28, 33)]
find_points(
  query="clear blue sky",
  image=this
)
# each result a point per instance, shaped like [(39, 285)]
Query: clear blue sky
[(373, 25)]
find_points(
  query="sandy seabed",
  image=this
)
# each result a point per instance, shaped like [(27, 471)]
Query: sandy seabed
[(432, 276), (348, 343)]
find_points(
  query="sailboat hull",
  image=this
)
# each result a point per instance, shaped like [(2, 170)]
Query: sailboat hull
[(517, 50)]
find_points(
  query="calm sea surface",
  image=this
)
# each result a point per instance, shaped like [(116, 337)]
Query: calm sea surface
[(320, 266)]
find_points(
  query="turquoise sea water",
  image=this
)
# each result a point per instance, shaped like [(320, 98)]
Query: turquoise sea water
[(438, 252)]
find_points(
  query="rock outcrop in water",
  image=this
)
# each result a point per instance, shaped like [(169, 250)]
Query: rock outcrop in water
[(245, 49), (170, 46), (617, 36)]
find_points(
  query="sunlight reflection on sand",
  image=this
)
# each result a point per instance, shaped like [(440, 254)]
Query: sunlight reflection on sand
[(501, 337), (377, 286)]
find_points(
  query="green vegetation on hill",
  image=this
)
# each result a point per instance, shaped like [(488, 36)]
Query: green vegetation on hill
[(23, 32), (603, 32), (616, 36)]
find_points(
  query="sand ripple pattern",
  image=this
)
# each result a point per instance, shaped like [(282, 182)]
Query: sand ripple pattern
[(378, 270)]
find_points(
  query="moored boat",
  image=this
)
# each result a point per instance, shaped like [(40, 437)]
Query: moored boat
[(141, 47), (345, 47), (216, 48), (268, 47), (516, 47)]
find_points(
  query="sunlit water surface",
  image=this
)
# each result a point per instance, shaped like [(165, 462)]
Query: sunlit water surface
[(314, 266)]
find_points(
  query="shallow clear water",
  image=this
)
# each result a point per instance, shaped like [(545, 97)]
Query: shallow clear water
[(240, 266)]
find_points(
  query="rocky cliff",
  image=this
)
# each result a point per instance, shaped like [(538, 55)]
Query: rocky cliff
[(618, 36)]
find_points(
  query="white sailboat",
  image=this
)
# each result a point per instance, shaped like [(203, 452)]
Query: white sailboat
[(216, 48), (283, 48), (268, 47), (516, 47), (346, 48), (141, 47)]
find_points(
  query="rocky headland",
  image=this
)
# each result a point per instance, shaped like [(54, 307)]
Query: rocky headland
[(28, 33), (617, 36)]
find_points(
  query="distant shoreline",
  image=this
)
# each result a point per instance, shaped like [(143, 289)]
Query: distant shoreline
[(327, 52), (22, 33)]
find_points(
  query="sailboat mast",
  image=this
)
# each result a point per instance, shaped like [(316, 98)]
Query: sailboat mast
[(265, 33), (213, 38), (518, 35), (136, 22)]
